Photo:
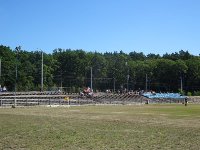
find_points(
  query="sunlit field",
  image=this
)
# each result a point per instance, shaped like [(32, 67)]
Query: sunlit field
[(166, 126)]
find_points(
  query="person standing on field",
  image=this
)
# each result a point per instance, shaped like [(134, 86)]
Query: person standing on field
[(186, 101)]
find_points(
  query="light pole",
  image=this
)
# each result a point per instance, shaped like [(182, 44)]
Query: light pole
[(127, 76), (181, 81), (42, 73), (0, 75), (61, 81), (0, 71), (114, 85), (16, 76), (181, 84), (91, 78), (146, 82), (128, 81)]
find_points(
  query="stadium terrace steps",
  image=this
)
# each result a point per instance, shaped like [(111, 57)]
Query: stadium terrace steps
[(33, 98), (120, 99), (52, 98)]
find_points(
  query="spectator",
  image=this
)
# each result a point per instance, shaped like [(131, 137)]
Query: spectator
[(4, 89), (186, 101)]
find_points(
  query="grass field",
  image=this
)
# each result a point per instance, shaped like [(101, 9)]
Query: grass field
[(166, 126)]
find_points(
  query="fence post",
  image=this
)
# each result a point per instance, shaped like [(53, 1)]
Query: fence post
[(26, 102), (15, 101)]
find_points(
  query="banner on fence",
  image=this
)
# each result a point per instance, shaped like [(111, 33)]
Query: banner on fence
[(67, 98)]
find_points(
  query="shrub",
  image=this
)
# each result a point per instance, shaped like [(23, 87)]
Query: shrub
[(181, 92), (196, 93), (189, 93)]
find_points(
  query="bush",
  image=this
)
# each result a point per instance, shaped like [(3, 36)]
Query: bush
[(196, 93), (189, 93), (181, 92)]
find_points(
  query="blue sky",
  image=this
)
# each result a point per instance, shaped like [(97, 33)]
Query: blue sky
[(148, 26)]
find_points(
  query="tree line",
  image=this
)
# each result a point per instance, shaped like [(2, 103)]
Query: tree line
[(71, 69)]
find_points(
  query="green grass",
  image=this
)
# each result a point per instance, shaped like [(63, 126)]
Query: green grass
[(101, 127)]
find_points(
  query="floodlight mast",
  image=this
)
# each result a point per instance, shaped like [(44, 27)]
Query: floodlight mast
[(128, 76), (16, 75), (0, 69), (114, 84), (42, 73), (0, 73)]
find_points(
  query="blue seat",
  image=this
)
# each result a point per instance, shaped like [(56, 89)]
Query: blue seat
[(163, 95)]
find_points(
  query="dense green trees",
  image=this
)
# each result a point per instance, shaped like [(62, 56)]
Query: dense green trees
[(72, 69)]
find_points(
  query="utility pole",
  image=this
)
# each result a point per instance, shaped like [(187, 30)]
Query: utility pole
[(42, 73), (91, 77)]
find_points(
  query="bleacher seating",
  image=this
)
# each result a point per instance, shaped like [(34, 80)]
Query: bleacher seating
[(163, 95), (52, 98)]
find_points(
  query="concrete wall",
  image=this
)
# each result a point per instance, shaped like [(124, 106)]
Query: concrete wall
[(194, 99)]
